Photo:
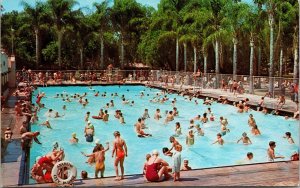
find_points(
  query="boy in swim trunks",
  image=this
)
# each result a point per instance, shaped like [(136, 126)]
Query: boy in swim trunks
[(219, 139), (120, 151)]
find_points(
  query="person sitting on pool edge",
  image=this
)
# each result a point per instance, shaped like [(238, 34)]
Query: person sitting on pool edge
[(157, 168)]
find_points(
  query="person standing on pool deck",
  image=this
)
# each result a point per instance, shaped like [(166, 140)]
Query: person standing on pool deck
[(120, 149), (271, 152), (176, 162)]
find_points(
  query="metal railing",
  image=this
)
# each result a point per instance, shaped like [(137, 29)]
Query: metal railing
[(260, 86)]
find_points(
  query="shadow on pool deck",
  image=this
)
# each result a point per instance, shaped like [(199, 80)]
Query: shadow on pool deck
[(268, 174)]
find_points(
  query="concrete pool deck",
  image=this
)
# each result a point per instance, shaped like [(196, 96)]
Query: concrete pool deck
[(279, 174), (268, 174)]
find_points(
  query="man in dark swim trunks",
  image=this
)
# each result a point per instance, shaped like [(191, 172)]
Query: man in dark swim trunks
[(120, 149)]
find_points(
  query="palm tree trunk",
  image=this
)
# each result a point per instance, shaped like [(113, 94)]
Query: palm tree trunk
[(295, 75), (259, 66), (280, 62), (177, 53), (271, 81), (195, 59), (234, 57), (101, 53), (81, 57), (37, 48), (205, 64), (60, 35), (217, 63), (184, 56), (259, 61), (251, 91), (122, 52)]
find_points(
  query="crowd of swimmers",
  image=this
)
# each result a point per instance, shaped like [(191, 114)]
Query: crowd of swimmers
[(155, 168)]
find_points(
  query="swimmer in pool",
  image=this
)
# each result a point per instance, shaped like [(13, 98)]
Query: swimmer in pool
[(47, 124), (87, 116), (246, 140), (199, 130), (190, 138), (74, 139), (157, 115), (177, 129), (271, 152), (170, 117), (204, 119), (198, 118), (288, 136), (192, 125), (255, 130), (219, 139), (138, 129), (251, 121), (121, 119), (146, 114), (120, 151), (105, 116)]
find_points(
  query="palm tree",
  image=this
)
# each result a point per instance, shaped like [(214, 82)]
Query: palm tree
[(237, 13), (36, 16), (122, 13), (217, 30), (102, 15), (249, 26), (271, 9), (60, 10)]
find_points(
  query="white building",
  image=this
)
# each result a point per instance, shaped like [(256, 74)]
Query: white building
[(4, 70)]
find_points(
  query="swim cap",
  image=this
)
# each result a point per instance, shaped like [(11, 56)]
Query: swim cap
[(97, 141), (155, 152), (73, 134)]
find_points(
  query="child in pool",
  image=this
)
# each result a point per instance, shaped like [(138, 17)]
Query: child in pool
[(177, 129), (190, 138)]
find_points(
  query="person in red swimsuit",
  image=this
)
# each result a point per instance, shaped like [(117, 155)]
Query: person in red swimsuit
[(120, 149), (39, 98), (156, 168)]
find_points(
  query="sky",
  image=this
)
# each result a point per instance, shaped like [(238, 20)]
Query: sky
[(10, 5)]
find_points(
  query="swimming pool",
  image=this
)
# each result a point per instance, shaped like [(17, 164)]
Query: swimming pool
[(201, 155)]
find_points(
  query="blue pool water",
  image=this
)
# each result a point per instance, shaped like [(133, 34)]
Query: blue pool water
[(201, 155)]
